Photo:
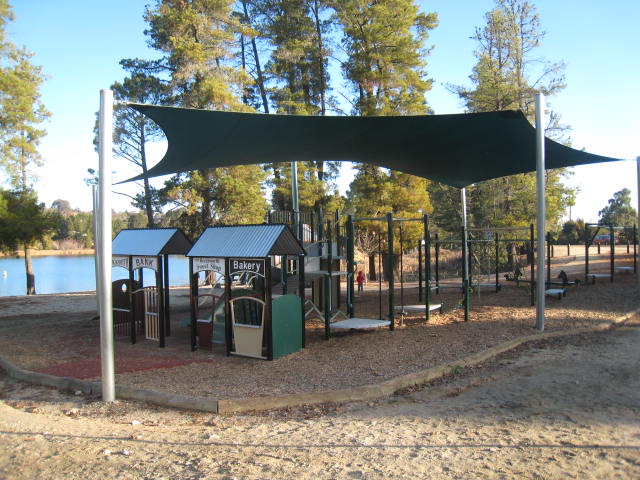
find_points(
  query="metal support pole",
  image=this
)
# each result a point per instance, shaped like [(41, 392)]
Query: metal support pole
[(390, 270), (193, 293), (302, 296), (132, 303), (612, 251), (161, 312), (105, 135), (401, 268), (437, 262), (549, 258), (638, 186), (541, 207), (635, 249), (532, 265), (497, 268), (165, 295), (96, 241), (427, 266), (351, 266), (420, 242), (465, 258), (294, 198), (327, 286)]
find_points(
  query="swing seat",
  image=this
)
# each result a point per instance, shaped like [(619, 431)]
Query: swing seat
[(625, 269), (359, 324), (418, 308), (593, 276), (556, 292)]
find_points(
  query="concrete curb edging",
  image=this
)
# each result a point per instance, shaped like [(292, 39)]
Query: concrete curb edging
[(361, 393)]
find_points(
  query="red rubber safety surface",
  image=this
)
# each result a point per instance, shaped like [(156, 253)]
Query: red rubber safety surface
[(90, 367)]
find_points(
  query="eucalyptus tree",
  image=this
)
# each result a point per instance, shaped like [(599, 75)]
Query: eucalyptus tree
[(619, 211)]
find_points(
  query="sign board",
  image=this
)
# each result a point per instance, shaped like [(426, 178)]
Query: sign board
[(145, 262), (120, 261), (210, 264), (253, 265)]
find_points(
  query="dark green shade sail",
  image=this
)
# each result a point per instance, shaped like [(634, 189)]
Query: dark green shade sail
[(457, 150)]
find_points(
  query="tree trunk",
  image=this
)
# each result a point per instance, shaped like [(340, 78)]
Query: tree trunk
[(31, 278), (147, 189), (373, 276), (256, 57)]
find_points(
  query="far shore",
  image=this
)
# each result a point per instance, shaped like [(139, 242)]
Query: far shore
[(46, 253)]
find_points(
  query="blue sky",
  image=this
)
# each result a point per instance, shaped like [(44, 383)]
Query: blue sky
[(79, 43)]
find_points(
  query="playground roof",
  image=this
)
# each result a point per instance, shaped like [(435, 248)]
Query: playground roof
[(457, 150), (246, 241), (151, 242)]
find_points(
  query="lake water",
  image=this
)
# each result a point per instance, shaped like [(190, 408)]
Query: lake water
[(64, 274)]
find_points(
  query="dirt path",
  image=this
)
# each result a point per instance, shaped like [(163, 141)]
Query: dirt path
[(566, 408)]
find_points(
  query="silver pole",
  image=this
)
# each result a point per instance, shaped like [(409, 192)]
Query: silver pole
[(106, 315), (541, 209), (96, 248), (294, 197)]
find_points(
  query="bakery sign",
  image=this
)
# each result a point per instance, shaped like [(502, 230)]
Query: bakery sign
[(253, 265), (208, 264)]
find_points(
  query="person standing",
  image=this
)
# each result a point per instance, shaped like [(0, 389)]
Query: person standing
[(360, 280)]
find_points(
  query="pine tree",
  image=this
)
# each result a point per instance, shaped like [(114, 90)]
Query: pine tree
[(21, 112), (199, 41), (299, 78), (386, 55), (506, 76), (133, 130)]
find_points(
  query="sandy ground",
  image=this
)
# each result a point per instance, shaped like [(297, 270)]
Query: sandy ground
[(563, 408), (566, 408), (59, 334)]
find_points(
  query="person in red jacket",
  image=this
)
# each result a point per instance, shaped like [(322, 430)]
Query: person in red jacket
[(360, 280)]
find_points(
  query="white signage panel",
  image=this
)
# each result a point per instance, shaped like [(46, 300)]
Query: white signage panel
[(120, 261), (209, 264), (145, 262)]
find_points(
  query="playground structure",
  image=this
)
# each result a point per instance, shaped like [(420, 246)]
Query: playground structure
[(591, 232), (257, 322), (145, 309), (250, 309)]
